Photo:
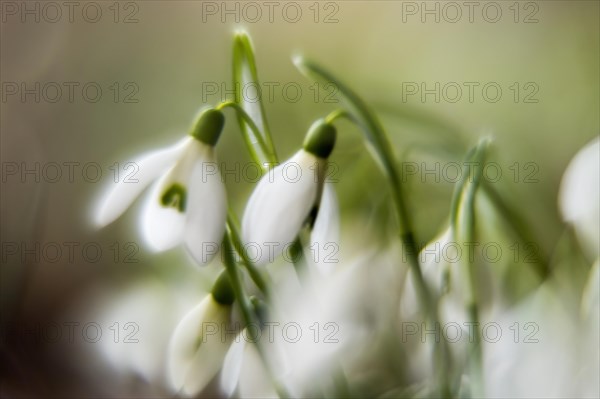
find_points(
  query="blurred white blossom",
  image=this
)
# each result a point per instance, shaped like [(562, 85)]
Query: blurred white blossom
[(579, 197), (198, 346)]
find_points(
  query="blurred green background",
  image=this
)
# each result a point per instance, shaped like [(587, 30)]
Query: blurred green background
[(172, 52)]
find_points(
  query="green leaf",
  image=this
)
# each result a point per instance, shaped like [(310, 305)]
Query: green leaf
[(245, 81), (462, 214)]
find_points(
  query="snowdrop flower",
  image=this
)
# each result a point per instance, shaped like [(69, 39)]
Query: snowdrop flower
[(244, 369), (198, 345), (579, 197), (187, 203), (285, 197), (147, 312), (440, 265), (554, 355)]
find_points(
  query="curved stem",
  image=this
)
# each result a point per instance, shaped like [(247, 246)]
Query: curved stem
[(269, 156), (246, 308), (377, 137), (338, 114), (386, 159), (464, 204), (458, 191), (255, 275), (384, 155)]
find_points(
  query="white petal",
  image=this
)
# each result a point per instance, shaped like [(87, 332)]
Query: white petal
[(232, 366), (433, 268), (163, 226), (279, 206), (196, 356), (206, 210), (434, 259), (148, 167), (244, 367), (590, 300), (326, 232), (254, 380), (579, 196)]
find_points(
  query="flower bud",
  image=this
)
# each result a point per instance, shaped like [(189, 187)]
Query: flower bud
[(222, 290), (320, 139)]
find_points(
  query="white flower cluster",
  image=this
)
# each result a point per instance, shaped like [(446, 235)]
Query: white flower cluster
[(187, 206)]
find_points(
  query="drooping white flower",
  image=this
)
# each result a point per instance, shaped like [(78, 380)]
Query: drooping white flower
[(284, 198), (439, 262), (145, 315), (324, 238), (244, 369), (199, 344), (187, 202), (579, 196), (546, 353)]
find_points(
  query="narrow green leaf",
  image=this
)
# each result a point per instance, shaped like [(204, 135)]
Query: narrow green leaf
[(248, 92)]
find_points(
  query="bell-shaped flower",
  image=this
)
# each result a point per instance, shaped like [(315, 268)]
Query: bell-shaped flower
[(284, 198), (199, 344), (440, 267), (579, 197), (244, 369), (187, 202), (153, 308)]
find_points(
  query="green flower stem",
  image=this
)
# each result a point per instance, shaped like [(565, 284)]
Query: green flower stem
[(377, 139), (360, 114), (459, 189), (338, 114), (236, 282), (375, 136), (271, 159), (464, 204), (254, 273), (268, 156), (231, 220), (245, 304)]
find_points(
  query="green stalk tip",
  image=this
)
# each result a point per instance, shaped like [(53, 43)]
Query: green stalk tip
[(222, 290), (320, 139)]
